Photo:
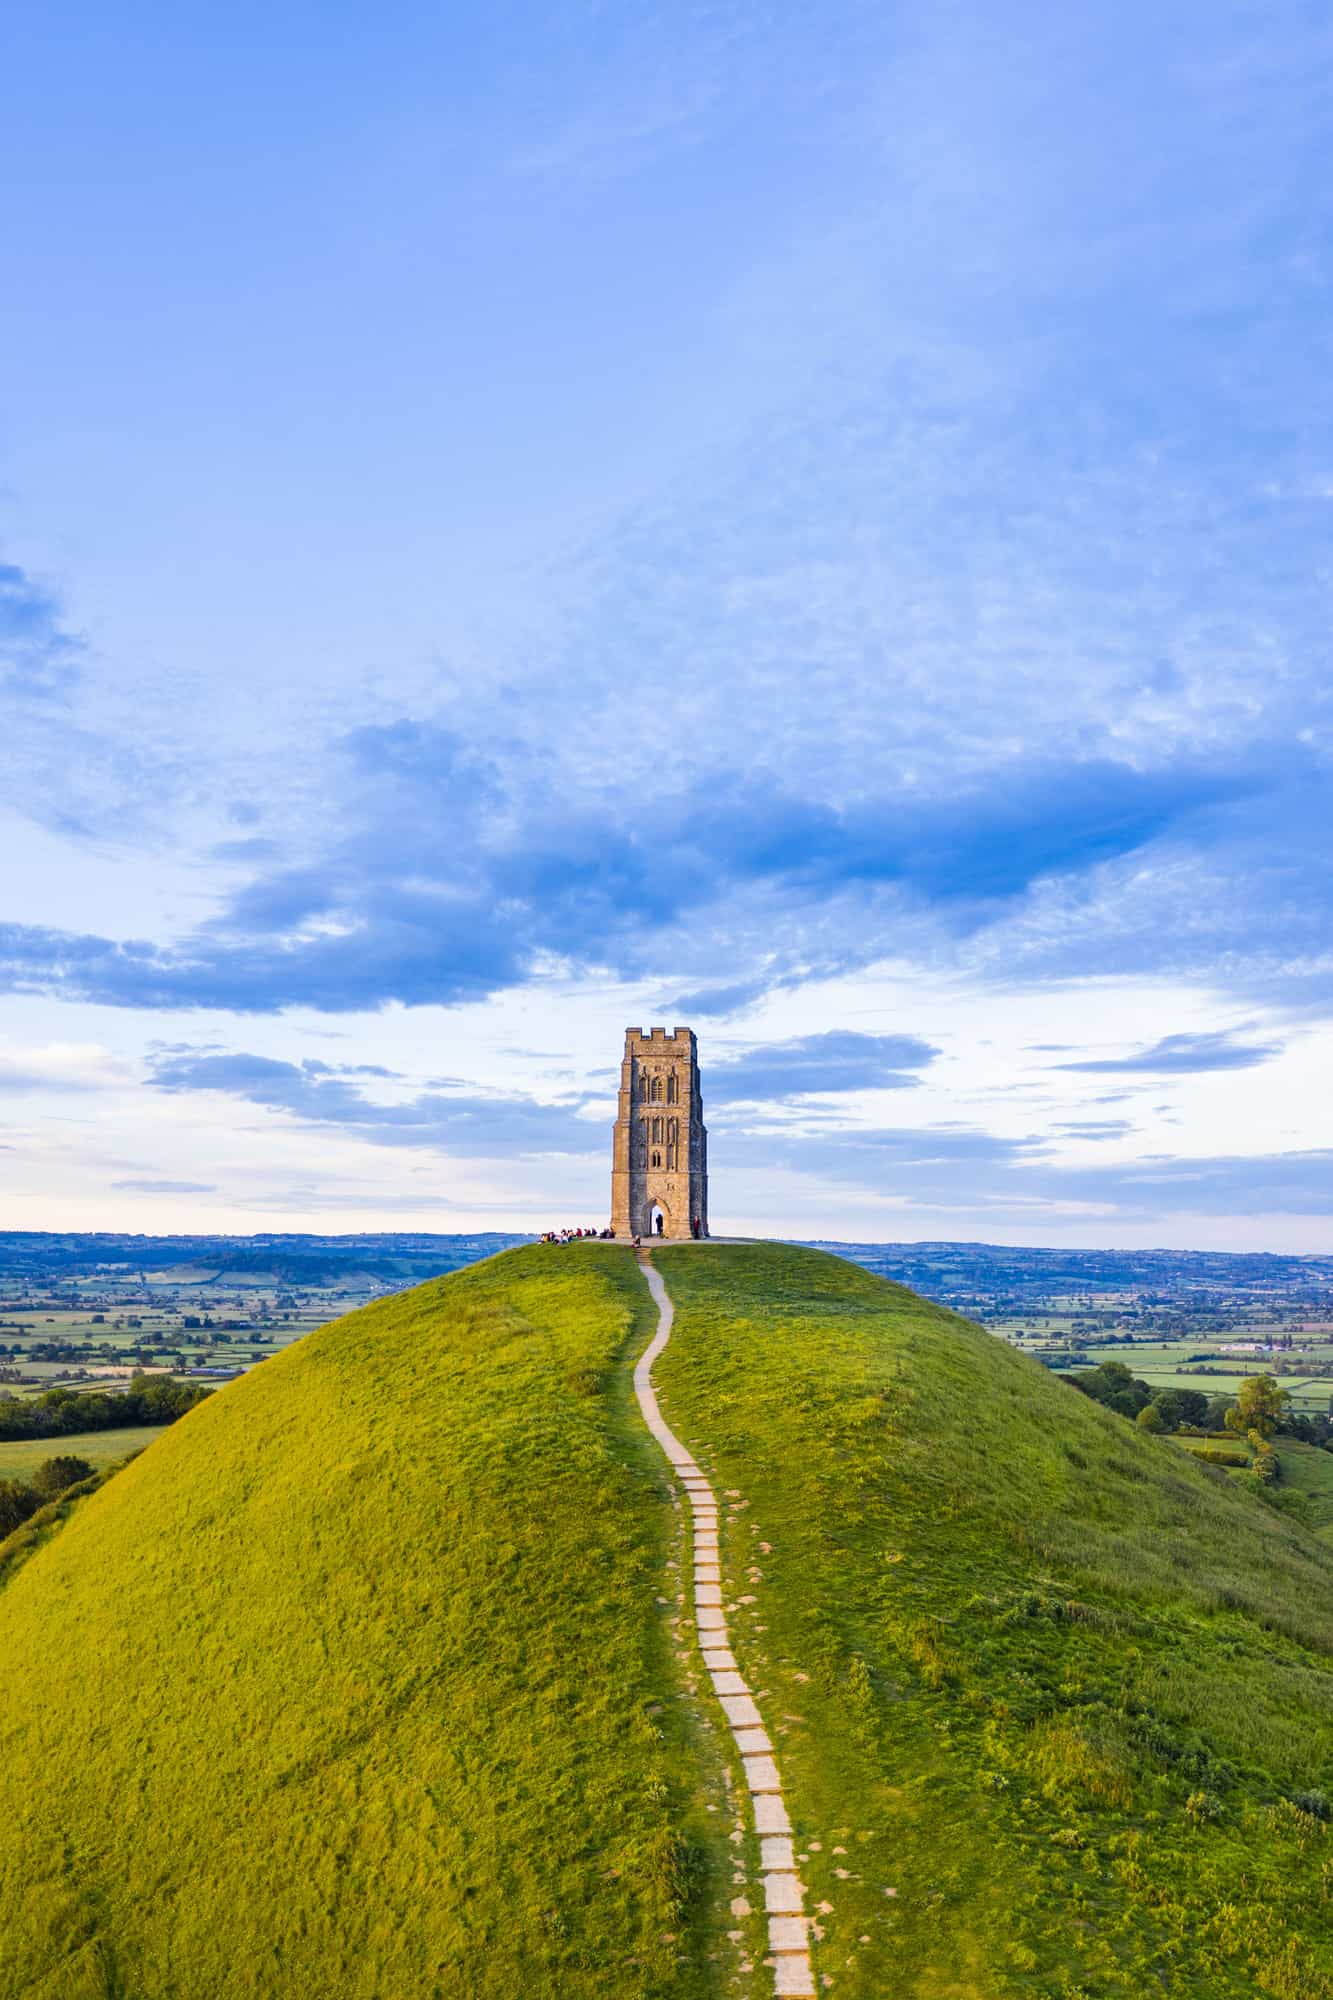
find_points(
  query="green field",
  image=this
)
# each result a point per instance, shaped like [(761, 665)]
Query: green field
[(363, 1680), (1307, 1392), (20, 1460), (1142, 1354)]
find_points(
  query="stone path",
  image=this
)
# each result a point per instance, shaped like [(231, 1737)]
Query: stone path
[(784, 1892)]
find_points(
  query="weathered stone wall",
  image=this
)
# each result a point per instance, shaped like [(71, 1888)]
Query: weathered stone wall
[(660, 1147)]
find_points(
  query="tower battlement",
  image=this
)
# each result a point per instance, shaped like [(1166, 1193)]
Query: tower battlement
[(659, 1166)]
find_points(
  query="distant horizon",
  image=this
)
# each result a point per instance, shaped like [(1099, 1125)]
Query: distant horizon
[(810, 1242)]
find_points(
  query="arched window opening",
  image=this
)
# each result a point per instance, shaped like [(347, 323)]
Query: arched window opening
[(657, 1129), (671, 1088), (657, 1159)]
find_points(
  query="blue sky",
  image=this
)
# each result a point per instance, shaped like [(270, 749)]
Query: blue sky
[(812, 522)]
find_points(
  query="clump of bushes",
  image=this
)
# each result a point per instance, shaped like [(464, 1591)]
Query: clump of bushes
[(1264, 1464), (54, 1476), (1152, 1409)]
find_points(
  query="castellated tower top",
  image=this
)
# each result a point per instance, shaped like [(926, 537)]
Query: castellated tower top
[(659, 1164)]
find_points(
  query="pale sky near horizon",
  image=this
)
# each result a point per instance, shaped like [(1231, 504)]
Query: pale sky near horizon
[(811, 523)]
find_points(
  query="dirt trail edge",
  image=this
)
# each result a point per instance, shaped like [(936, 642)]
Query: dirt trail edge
[(784, 1893)]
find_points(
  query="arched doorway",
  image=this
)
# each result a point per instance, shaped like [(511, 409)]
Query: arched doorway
[(659, 1222)]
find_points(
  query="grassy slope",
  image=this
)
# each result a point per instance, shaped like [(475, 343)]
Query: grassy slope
[(354, 1682), (1007, 1639), (1309, 1471)]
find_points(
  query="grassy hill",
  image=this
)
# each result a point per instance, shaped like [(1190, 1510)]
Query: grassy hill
[(1051, 1683), (355, 1682), (359, 1681)]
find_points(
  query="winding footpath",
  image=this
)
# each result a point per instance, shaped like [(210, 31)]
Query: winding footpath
[(784, 1893)]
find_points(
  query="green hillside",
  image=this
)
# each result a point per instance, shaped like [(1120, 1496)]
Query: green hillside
[(1043, 1677), (355, 1683), (361, 1680)]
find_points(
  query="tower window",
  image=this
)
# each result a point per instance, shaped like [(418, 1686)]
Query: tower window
[(657, 1159), (671, 1088)]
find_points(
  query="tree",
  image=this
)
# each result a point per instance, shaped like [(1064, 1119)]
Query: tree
[(1216, 1415), (1150, 1418), (1113, 1385), (53, 1475), (1260, 1406), (1170, 1407), (16, 1503)]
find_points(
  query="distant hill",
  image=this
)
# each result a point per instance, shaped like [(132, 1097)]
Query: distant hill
[(360, 1680)]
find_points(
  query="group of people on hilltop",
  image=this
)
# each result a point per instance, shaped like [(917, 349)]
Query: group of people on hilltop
[(608, 1235)]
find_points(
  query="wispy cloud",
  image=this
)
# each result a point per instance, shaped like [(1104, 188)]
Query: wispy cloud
[(962, 1170), (448, 880), (39, 658), (491, 1125), (56, 1066), (836, 1061), (164, 1187), (1182, 1055)]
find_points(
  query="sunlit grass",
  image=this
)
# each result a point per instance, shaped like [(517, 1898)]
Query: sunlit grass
[(1041, 1676), (356, 1683)]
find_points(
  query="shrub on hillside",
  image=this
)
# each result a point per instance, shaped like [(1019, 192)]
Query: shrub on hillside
[(1180, 1408), (53, 1475), (1113, 1385), (1265, 1466), (17, 1504)]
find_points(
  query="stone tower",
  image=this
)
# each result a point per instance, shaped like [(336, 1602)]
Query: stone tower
[(659, 1162)]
